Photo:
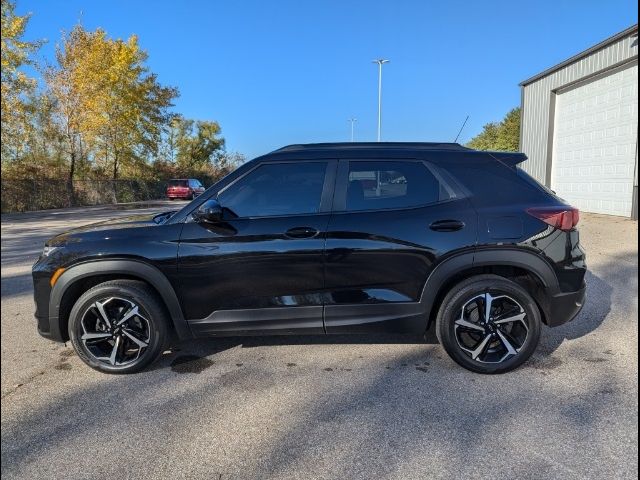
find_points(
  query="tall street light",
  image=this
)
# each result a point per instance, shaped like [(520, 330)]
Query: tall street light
[(380, 62), (352, 120)]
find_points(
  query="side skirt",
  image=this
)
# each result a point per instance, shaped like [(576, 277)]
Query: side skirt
[(260, 321), (379, 317), (388, 318)]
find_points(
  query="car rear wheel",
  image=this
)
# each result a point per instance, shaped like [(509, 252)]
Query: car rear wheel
[(489, 324), (118, 326)]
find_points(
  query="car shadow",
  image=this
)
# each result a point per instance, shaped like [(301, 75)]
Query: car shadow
[(422, 402), (194, 351), (600, 296)]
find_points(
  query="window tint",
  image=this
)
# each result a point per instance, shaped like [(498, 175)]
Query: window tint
[(378, 185), (532, 181), (276, 189), (177, 183)]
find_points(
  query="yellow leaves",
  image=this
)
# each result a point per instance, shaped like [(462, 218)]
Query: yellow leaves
[(15, 51), (102, 109), (16, 85), (106, 92)]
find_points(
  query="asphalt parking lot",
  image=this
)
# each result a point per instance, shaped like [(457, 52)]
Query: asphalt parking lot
[(335, 407)]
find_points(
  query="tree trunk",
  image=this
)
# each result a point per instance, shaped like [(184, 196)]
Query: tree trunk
[(72, 170), (115, 177)]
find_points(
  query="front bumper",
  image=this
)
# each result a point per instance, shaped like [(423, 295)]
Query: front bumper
[(41, 295), (563, 307)]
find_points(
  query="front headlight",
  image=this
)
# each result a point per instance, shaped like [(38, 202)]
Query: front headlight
[(48, 250)]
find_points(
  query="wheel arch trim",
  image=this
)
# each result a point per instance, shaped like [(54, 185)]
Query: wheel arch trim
[(514, 257), (130, 267)]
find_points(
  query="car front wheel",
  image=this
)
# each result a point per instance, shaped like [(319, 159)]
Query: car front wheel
[(489, 324), (118, 326)]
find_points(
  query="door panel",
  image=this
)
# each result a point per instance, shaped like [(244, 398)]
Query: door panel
[(377, 262), (380, 257), (230, 269)]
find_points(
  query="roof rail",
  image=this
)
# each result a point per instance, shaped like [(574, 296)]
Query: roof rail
[(376, 145)]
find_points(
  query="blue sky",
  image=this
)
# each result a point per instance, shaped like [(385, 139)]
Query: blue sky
[(279, 72)]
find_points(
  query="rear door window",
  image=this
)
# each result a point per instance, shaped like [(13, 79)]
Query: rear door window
[(375, 185)]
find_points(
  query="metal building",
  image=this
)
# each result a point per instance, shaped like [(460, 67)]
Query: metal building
[(580, 126)]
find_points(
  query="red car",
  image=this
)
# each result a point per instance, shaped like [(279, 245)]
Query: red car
[(184, 188)]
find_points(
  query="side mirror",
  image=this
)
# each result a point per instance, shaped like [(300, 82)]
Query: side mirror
[(209, 212)]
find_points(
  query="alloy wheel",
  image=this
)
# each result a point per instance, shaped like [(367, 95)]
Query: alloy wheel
[(115, 331), (491, 329)]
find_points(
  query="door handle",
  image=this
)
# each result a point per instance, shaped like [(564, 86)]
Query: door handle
[(447, 225), (301, 232)]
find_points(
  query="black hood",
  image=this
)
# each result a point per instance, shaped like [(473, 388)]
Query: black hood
[(115, 225), (132, 221)]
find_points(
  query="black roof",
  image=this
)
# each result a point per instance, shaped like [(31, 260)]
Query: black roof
[(363, 148), (373, 145)]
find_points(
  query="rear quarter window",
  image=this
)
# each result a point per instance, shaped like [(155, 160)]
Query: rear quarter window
[(491, 182), (532, 181)]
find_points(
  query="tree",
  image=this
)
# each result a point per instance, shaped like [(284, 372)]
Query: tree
[(107, 98), (16, 85), (192, 145), (503, 136), (135, 107), (71, 94), (98, 113)]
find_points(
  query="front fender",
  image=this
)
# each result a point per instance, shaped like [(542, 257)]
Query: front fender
[(129, 267)]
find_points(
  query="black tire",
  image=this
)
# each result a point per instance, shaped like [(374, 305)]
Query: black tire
[(149, 325), (469, 294)]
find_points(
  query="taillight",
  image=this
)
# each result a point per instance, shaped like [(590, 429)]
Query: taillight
[(564, 218)]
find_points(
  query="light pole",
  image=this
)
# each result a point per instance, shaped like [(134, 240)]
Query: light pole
[(380, 62), (352, 120)]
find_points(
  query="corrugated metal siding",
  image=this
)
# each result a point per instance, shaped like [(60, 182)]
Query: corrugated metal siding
[(537, 99)]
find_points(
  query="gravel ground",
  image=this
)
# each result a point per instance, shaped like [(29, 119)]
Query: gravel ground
[(337, 407)]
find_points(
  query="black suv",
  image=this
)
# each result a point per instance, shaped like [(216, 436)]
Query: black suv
[(322, 239)]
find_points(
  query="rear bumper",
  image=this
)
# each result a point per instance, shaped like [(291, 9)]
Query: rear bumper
[(563, 307), (185, 196)]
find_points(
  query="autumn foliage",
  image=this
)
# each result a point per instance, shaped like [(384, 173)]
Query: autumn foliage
[(98, 113)]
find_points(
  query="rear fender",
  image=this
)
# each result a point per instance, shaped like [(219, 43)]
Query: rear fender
[(514, 257)]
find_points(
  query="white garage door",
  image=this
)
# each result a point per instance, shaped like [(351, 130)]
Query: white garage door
[(594, 145)]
